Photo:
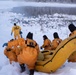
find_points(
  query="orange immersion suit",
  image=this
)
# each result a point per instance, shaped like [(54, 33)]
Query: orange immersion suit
[(15, 47), (47, 44), (55, 43), (29, 54)]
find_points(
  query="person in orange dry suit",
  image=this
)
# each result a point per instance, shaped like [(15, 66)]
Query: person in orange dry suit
[(10, 51), (47, 43), (13, 48), (56, 41), (16, 30), (29, 53), (72, 29)]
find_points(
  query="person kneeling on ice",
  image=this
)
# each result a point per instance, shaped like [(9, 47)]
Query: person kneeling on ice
[(47, 43), (29, 54), (56, 41)]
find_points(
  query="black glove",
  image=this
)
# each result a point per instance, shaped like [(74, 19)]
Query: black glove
[(20, 32), (5, 44), (40, 47)]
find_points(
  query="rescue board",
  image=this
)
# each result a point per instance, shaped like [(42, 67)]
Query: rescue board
[(54, 59)]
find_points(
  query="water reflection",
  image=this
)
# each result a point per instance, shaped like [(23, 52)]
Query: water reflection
[(35, 11)]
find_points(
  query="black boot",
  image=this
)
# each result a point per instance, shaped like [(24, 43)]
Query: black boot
[(22, 67), (31, 72)]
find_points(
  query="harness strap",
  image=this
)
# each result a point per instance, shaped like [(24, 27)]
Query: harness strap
[(31, 44)]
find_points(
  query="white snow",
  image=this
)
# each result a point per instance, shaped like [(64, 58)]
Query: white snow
[(6, 22)]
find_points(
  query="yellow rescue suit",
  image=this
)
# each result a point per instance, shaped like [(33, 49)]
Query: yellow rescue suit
[(16, 31)]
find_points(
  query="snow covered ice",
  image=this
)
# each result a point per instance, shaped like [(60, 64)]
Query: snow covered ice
[(40, 25)]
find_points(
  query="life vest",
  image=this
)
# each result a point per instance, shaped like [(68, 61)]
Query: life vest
[(55, 43), (73, 33)]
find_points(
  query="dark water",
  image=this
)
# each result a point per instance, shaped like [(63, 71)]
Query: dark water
[(35, 11)]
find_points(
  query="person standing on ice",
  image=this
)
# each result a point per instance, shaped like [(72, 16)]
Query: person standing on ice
[(29, 54), (17, 31)]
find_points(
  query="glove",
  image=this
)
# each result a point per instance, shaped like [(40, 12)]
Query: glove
[(40, 47), (11, 33), (5, 44), (20, 32)]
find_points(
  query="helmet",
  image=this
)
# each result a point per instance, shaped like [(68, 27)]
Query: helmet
[(14, 24), (29, 35), (71, 27), (55, 35), (45, 37)]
